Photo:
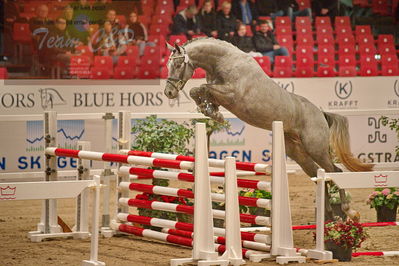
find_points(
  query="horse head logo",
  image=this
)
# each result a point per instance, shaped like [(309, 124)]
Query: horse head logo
[(396, 87), (343, 89), (50, 97)]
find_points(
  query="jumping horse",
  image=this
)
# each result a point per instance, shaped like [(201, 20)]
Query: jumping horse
[(235, 81)]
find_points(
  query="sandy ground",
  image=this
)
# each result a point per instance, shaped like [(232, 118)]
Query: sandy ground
[(18, 218)]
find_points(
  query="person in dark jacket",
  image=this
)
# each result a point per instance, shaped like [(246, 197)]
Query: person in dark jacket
[(226, 22), (266, 43), (41, 20), (244, 42), (269, 8), (246, 11), (325, 8), (186, 22), (291, 9), (207, 19), (135, 33)]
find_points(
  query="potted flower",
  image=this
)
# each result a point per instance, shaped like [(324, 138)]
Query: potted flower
[(335, 201), (385, 201), (255, 193), (341, 237)]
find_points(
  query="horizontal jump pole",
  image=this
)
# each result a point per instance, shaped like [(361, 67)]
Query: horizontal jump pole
[(365, 253), (187, 177), (119, 158), (379, 224), (172, 238), (244, 166), (144, 220), (218, 239), (172, 207), (245, 173), (176, 192)]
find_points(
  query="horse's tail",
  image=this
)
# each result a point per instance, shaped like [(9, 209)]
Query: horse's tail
[(339, 140)]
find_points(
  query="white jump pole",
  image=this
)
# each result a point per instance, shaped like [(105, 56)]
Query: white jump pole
[(124, 142), (81, 229), (95, 224), (233, 251), (282, 235), (106, 230), (203, 243)]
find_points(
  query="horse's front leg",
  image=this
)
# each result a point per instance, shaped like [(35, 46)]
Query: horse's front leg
[(351, 213), (206, 103)]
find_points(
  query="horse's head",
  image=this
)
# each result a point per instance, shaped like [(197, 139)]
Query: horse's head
[(180, 71)]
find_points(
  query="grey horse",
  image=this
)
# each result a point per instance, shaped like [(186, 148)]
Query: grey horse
[(235, 81)]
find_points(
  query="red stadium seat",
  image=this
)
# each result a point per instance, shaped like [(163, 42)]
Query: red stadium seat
[(282, 67), (343, 30), (346, 49), (363, 30), (304, 66), (327, 60), (132, 51), (342, 21), (3, 73), (365, 39), (347, 65), (325, 71), (149, 73), (368, 66), (387, 49), (178, 39), (161, 19), (100, 73), (346, 39), (126, 61), (283, 21), (361, 3), (385, 39), (302, 22), (389, 59), (380, 7), (392, 70), (21, 33), (367, 49), (305, 40), (304, 50), (123, 72), (322, 21), (325, 39), (304, 31), (103, 62), (153, 53), (303, 4), (347, 71), (287, 42), (80, 66), (324, 30), (265, 64), (283, 31), (164, 72), (121, 20), (157, 29), (84, 50)]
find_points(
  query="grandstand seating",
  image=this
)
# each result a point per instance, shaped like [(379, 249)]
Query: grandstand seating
[(322, 48)]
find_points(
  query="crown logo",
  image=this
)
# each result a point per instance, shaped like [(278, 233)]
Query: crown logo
[(7, 191), (380, 180)]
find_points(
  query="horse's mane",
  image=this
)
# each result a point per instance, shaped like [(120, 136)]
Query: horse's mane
[(218, 41)]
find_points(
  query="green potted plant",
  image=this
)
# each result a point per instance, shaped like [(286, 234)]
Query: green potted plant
[(164, 136), (335, 201), (342, 237), (385, 201), (393, 124), (255, 193)]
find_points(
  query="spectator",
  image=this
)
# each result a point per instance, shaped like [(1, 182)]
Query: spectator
[(207, 19), (60, 50), (325, 8), (136, 33), (244, 42), (291, 9), (268, 8), (110, 43), (10, 14), (111, 18), (226, 22), (41, 20), (185, 22), (73, 28), (265, 42), (246, 11)]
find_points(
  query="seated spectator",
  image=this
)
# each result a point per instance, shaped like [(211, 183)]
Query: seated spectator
[(207, 19), (111, 18), (325, 8), (246, 11), (268, 8), (226, 22), (41, 20), (136, 33), (185, 22), (291, 9), (265, 42), (74, 29), (109, 42), (56, 45), (244, 42)]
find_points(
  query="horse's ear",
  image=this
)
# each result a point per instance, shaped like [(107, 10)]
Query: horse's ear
[(177, 47), (170, 47)]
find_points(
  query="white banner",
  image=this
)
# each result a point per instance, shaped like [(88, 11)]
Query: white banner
[(22, 141)]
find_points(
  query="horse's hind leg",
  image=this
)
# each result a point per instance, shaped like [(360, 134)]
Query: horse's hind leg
[(296, 152), (316, 143)]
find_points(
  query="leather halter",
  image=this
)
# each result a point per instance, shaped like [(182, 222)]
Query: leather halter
[(178, 83)]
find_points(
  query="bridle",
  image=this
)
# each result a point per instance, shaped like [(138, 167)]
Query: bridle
[(178, 83)]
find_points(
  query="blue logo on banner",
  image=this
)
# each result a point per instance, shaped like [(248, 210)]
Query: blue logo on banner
[(234, 136)]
